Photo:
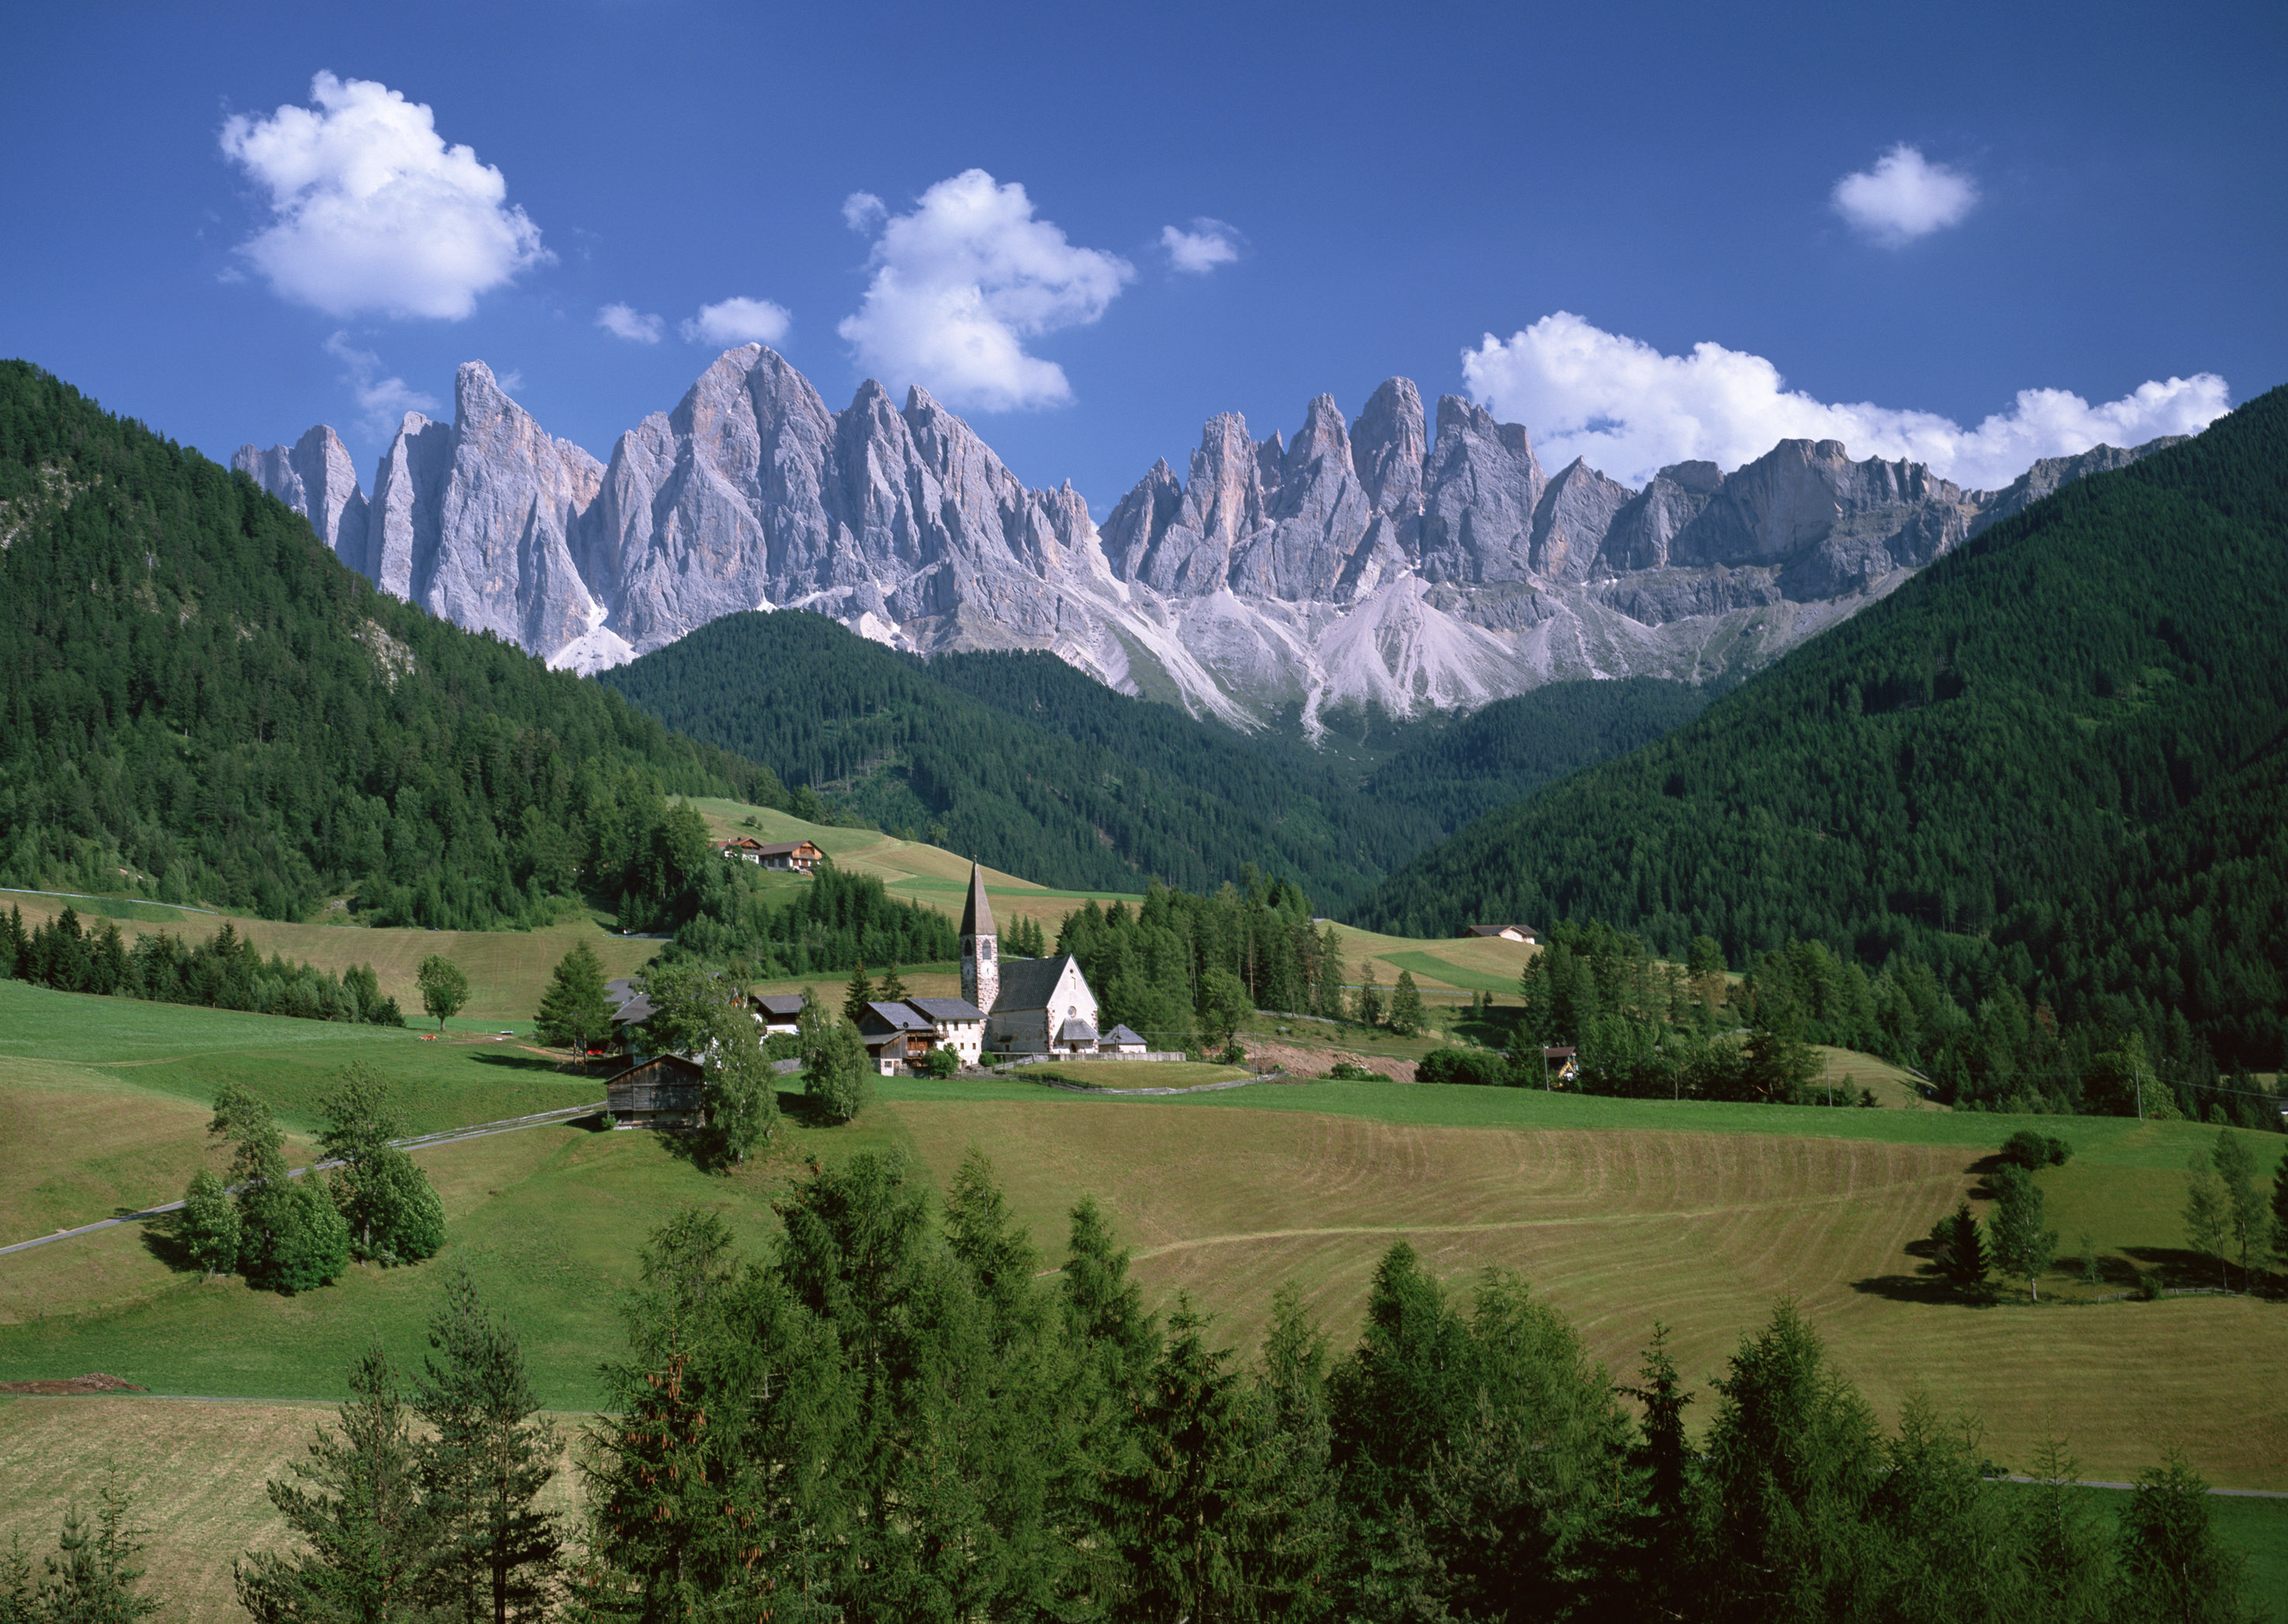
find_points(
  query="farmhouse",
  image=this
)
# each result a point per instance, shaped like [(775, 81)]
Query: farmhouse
[(799, 855), (959, 1024), (776, 1013), (896, 1035), (1508, 933)]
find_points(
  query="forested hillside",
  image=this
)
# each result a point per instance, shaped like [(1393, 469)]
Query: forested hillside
[(199, 702), (1034, 767), (2054, 759)]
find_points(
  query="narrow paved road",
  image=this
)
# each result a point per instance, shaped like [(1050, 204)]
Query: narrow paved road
[(476, 1130)]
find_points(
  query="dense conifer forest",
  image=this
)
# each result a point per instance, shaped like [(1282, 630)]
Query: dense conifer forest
[(2052, 764), (1036, 768), (199, 703)]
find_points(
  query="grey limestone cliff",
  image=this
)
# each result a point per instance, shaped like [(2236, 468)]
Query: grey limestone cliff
[(1403, 560)]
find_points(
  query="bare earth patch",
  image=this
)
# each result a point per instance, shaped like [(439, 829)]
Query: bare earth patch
[(95, 1381)]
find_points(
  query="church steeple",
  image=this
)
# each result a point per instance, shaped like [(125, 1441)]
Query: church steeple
[(981, 946)]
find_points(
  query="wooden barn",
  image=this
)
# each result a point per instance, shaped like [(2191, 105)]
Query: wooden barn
[(664, 1091)]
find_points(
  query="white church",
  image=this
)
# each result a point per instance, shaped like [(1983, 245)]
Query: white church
[(1030, 1006)]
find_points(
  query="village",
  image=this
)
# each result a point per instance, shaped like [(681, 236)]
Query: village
[(1012, 1009)]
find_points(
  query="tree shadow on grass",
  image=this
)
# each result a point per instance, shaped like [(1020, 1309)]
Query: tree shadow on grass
[(161, 1241), (526, 1063), (1930, 1286), (2182, 1268)]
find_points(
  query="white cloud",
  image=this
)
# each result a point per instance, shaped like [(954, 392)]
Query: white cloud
[(962, 281), (382, 402), (1630, 410), (625, 321), (861, 211), (1904, 196), (1208, 244), (738, 321), (372, 211)]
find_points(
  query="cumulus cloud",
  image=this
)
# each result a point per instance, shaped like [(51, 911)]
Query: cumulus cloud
[(382, 402), (738, 321), (961, 280), (1630, 410), (372, 212), (1208, 244), (625, 321), (1904, 196)]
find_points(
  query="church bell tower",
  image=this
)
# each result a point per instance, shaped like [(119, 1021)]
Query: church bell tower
[(980, 946)]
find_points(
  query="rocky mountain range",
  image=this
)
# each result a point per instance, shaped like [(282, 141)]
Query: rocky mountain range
[(1392, 561)]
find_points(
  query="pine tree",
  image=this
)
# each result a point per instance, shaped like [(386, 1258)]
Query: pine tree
[(92, 1577), (1327, 994), (491, 1550), (1959, 1250), (355, 1505), (857, 997), (1370, 996), (2170, 1567), (1183, 1508), (1406, 1006), (893, 989), (207, 1226), (575, 1012)]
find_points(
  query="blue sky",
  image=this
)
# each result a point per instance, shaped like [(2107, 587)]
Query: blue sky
[(2085, 200)]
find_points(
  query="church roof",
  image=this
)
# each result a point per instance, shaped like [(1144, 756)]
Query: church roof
[(977, 914), (1076, 1032), (1025, 984)]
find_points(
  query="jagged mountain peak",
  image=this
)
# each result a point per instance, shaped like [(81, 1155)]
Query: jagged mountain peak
[(1402, 558)]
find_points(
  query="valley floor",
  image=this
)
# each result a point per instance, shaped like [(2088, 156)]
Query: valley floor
[(1620, 1212)]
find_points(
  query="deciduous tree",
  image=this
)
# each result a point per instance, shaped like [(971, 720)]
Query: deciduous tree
[(207, 1226), (2019, 1242), (444, 987), (1406, 1006)]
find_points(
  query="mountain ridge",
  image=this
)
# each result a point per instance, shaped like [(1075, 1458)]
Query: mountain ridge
[(1407, 559)]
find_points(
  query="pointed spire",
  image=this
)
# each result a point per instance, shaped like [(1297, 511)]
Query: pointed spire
[(977, 917)]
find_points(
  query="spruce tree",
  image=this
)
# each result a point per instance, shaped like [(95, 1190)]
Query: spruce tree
[(857, 997), (92, 1577), (207, 1226), (1326, 993), (1370, 1010), (575, 1012), (1960, 1250), (1184, 1505), (2170, 1566), (893, 989), (491, 1549), (355, 1506), (1406, 1006)]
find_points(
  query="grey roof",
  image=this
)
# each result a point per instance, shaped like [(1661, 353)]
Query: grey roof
[(635, 1012), (782, 1004), (898, 1018), (948, 1009), (977, 913), (1077, 1031), (1025, 984), (1122, 1034)]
